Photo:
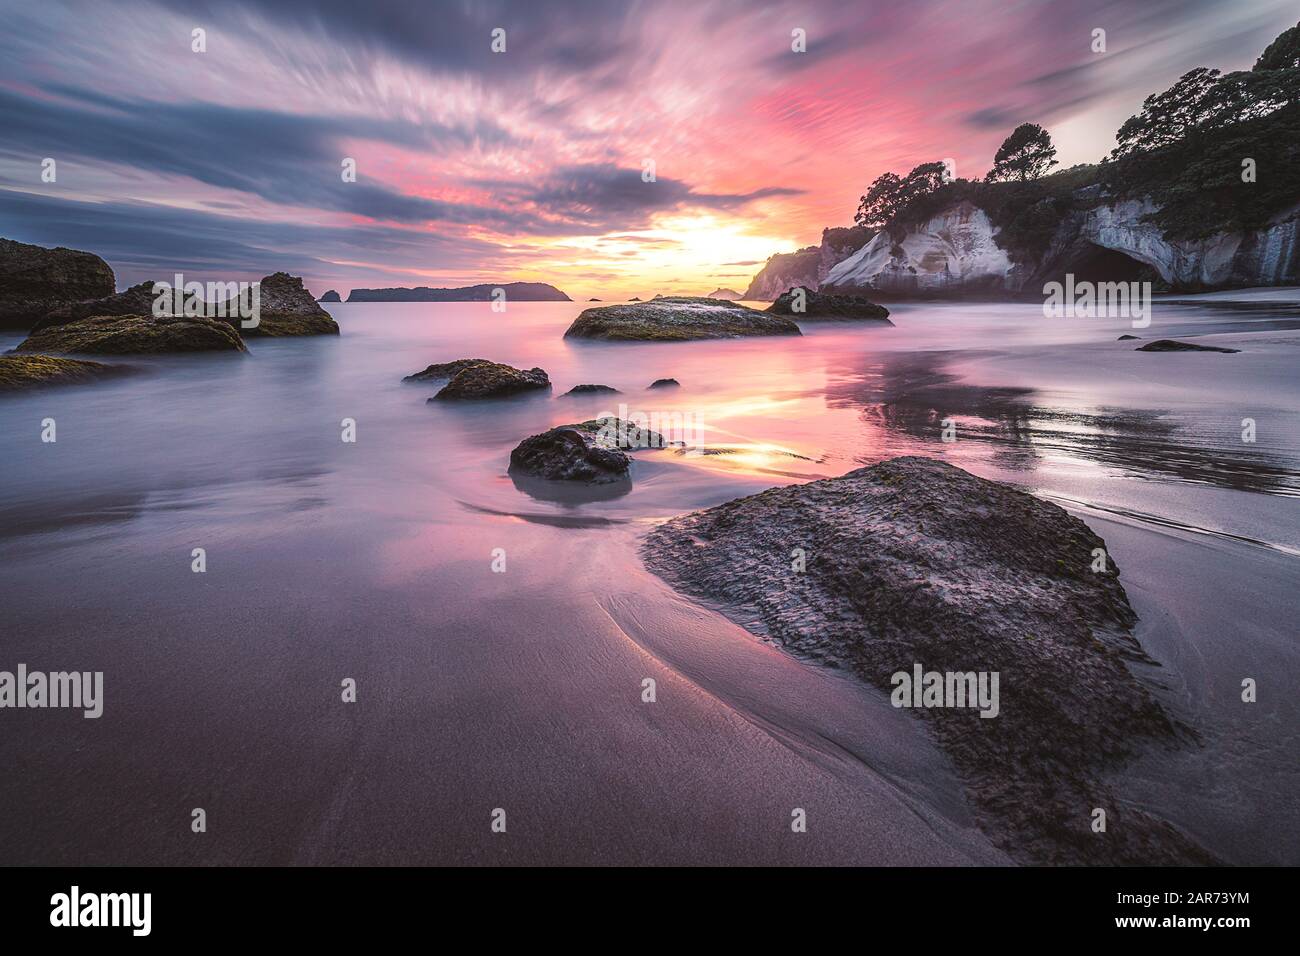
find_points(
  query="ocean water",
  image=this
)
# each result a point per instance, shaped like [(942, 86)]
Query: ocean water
[(520, 689)]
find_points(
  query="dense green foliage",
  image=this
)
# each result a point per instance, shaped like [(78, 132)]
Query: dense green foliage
[(1187, 151), (1216, 152), (1026, 154), (891, 194)]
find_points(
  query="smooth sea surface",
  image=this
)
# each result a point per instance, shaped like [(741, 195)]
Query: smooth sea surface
[(521, 689)]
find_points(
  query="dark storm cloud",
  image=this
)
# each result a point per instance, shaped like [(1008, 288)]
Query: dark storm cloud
[(603, 197), (282, 157), (452, 36)]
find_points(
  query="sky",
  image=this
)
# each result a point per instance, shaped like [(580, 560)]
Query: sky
[(531, 164)]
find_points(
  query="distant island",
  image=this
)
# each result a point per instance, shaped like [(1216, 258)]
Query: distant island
[(724, 294), (330, 296), (515, 292)]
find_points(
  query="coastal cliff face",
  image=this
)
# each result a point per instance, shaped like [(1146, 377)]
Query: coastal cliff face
[(808, 267), (956, 252)]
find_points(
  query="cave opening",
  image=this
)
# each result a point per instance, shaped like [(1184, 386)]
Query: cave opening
[(1093, 263)]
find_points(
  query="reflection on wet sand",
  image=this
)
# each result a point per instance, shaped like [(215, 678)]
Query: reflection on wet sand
[(914, 392)]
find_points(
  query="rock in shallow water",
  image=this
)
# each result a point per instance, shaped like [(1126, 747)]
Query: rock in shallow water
[(444, 370), (593, 451), (677, 318), (491, 380), (828, 307), (134, 334), (591, 390), (915, 562), (1169, 345), (287, 308)]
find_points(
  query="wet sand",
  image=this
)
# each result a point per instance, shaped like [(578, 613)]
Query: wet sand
[(522, 690)]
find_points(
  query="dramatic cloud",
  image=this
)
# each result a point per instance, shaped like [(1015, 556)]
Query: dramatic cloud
[(474, 165)]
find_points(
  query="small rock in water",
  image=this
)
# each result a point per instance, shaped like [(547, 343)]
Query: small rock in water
[(1127, 338), (444, 370), (1169, 345), (591, 451), (491, 380), (589, 389), (823, 305)]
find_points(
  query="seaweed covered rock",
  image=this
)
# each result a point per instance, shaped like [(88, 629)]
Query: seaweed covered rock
[(491, 380), (913, 565), (18, 372), (676, 319), (802, 303), (134, 335), (287, 308), (444, 370)]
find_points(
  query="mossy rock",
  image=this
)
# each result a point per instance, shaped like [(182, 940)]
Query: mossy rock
[(134, 335)]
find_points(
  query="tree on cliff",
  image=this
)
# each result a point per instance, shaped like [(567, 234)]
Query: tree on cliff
[(1283, 53), (1216, 153), (1192, 103), (880, 203), (1026, 154), (890, 194)]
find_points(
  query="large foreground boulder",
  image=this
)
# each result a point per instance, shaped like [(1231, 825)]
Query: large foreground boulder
[(593, 452), (915, 565), (676, 319), (827, 306), (34, 280), (491, 380), (19, 372), (134, 335)]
